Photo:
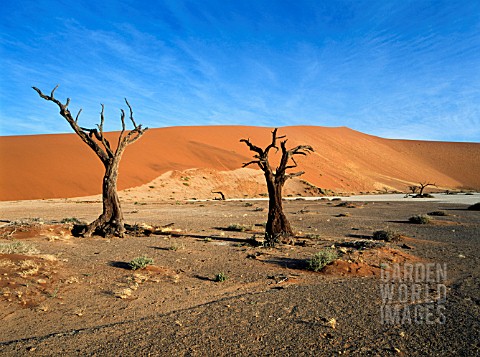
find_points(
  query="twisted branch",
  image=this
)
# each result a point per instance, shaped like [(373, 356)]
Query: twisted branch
[(88, 135), (262, 156)]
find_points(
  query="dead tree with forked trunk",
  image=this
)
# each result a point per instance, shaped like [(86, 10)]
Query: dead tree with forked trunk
[(110, 222), (423, 185), (278, 228)]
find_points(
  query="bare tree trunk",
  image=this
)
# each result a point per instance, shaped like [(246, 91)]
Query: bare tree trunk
[(278, 229), (110, 222)]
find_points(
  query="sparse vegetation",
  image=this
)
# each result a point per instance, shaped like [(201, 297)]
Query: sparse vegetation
[(73, 220), (438, 213), (17, 248), (313, 236), (140, 263), (237, 228), (322, 258), (176, 246), (420, 219), (220, 277), (386, 235)]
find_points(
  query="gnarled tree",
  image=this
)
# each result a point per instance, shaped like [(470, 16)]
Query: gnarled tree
[(423, 185), (110, 222), (278, 228)]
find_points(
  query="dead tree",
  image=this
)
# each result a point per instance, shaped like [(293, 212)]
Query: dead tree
[(422, 186), (222, 196), (413, 188), (278, 228), (110, 222)]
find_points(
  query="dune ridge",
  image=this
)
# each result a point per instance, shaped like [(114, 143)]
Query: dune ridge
[(345, 160)]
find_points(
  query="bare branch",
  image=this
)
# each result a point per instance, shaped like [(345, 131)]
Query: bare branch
[(274, 141), (292, 166), (100, 136), (131, 113), (301, 150), (122, 119), (85, 134), (76, 118), (294, 174), (252, 147), (251, 162), (54, 89)]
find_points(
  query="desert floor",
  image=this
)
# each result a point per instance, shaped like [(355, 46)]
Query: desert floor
[(76, 296)]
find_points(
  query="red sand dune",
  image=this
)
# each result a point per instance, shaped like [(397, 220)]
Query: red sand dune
[(53, 166)]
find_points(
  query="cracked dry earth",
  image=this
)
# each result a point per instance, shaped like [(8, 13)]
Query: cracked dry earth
[(62, 295)]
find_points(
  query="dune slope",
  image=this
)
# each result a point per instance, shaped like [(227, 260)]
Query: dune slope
[(55, 166)]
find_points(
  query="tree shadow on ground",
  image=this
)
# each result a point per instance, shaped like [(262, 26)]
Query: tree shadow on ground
[(204, 278), (289, 263), (121, 265), (359, 236), (79, 229)]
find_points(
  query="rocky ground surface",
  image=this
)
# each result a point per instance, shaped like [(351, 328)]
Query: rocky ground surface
[(61, 295)]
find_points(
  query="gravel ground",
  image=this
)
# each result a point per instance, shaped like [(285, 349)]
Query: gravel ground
[(269, 305)]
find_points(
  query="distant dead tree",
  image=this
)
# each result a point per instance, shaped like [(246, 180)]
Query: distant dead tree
[(278, 226), (110, 222), (222, 196), (413, 189), (423, 185)]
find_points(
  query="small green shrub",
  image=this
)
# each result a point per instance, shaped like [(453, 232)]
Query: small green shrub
[(475, 207), (220, 277), (140, 263), (386, 235), (420, 219), (248, 204), (322, 259)]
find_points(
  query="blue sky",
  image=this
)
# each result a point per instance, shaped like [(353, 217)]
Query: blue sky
[(399, 69)]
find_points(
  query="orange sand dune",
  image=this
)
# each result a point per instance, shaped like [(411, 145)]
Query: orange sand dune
[(53, 166)]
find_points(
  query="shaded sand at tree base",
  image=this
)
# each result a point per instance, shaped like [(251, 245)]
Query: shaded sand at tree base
[(87, 301)]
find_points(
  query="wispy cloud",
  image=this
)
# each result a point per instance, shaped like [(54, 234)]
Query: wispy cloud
[(408, 70)]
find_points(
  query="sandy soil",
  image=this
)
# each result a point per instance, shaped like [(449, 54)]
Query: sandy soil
[(55, 166), (75, 296)]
